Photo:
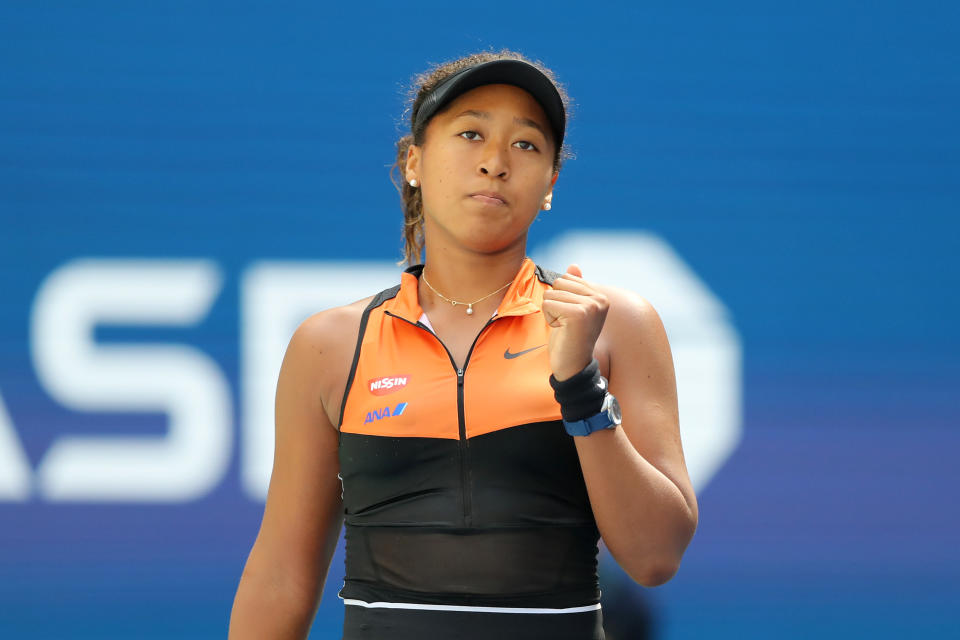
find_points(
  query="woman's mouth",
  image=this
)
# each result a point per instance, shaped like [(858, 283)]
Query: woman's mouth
[(489, 197)]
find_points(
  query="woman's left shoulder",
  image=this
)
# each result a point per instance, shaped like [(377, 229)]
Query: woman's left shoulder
[(628, 310), (632, 330)]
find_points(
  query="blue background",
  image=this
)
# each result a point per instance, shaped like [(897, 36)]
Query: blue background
[(803, 158)]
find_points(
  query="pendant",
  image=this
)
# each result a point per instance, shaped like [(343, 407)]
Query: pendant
[(469, 309)]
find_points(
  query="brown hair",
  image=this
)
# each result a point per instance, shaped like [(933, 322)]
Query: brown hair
[(422, 86)]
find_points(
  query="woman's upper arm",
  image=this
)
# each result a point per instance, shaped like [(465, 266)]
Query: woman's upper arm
[(641, 376), (303, 512)]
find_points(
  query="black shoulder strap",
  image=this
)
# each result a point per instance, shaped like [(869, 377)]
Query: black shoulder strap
[(378, 300), (546, 275)]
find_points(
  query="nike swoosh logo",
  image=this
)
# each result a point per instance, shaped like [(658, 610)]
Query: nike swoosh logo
[(511, 356)]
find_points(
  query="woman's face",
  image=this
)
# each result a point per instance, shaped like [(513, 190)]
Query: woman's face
[(485, 168)]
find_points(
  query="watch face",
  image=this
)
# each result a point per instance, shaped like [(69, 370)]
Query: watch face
[(613, 408)]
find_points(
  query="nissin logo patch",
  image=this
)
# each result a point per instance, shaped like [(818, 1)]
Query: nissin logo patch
[(386, 412), (387, 384)]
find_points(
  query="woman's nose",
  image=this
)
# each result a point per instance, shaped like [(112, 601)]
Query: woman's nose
[(494, 163)]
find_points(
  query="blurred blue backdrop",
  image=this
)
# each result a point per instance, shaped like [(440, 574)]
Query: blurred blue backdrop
[(802, 158)]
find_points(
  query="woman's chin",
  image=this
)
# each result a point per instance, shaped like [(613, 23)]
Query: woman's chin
[(490, 242)]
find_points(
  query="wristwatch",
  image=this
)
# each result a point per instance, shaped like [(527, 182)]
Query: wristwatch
[(608, 418)]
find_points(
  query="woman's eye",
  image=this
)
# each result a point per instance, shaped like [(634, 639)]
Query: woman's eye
[(473, 135)]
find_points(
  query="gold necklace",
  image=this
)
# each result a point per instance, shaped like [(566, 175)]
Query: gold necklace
[(455, 302)]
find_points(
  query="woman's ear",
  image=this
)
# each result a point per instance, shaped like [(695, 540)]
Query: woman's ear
[(412, 169), (549, 195)]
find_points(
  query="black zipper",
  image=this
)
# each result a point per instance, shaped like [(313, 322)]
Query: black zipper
[(463, 447), (463, 444)]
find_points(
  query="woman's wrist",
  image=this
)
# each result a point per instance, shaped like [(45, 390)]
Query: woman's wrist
[(581, 395)]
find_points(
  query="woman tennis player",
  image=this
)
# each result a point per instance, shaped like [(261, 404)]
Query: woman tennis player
[(479, 426)]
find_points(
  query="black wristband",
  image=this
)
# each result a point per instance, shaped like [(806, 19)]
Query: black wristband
[(581, 395)]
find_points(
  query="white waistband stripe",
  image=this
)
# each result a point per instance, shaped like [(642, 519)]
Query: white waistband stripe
[(449, 607)]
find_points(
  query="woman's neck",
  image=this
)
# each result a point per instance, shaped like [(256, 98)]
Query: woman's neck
[(467, 276)]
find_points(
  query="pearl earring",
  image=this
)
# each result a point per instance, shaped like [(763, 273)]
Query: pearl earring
[(546, 206), (413, 182)]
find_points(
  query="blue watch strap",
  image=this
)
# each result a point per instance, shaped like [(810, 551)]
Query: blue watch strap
[(587, 426)]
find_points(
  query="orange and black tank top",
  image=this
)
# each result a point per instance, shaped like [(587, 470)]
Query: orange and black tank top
[(465, 508)]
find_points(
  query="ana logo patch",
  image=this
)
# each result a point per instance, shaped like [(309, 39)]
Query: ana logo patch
[(387, 384), (386, 412)]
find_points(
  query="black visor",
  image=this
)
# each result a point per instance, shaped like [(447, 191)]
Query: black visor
[(514, 72)]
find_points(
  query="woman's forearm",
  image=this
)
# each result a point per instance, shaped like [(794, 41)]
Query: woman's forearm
[(266, 610), (644, 518)]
